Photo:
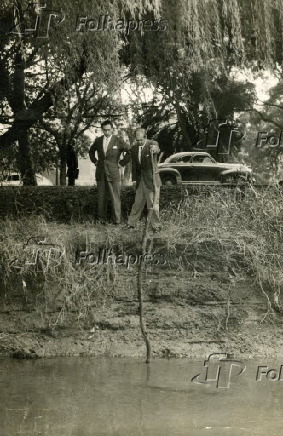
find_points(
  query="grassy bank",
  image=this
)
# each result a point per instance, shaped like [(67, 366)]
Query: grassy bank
[(213, 273)]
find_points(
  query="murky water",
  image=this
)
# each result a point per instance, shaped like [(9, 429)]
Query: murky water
[(89, 396)]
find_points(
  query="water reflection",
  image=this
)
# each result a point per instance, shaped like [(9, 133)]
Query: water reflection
[(81, 397)]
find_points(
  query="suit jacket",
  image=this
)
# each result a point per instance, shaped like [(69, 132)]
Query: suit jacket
[(107, 164), (144, 168)]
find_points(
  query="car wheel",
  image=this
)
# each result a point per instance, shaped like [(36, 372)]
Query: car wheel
[(168, 180)]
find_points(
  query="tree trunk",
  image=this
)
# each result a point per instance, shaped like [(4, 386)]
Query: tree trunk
[(63, 172), (25, 162), (63, 163), (183, 122)]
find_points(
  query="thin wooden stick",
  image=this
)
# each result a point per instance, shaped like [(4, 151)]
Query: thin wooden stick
[(140, 293), (141, 268)]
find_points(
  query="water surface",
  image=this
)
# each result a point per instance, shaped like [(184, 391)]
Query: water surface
[(91, 397)]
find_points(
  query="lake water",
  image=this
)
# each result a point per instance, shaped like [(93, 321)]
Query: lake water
[(91, 397)]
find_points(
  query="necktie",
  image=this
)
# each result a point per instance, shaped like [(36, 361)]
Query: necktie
[(105, 144), (140, 152)]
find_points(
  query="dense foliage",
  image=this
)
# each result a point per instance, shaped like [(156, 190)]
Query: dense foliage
[(197, 48)]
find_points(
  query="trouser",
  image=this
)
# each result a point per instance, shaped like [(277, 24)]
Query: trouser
[(111, 189), (71, 181), (145, 196)]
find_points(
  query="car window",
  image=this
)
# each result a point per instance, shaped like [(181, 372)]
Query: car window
[(202, 159), (183, 159), (186, 159), (13, 178), (179, 159)]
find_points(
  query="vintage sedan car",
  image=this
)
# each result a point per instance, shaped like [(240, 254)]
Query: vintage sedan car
[(200, 168)]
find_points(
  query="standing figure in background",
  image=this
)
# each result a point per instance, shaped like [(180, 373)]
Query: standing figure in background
[(109, 148), (145, 174), (72, 165)]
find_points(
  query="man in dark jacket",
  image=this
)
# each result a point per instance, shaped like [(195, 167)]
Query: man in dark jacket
[(145, 174), (109, 148)]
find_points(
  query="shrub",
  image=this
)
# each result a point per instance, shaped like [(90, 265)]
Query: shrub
[(62, 203)]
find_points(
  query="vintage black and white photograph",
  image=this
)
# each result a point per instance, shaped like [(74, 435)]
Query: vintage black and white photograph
[(141, 217)]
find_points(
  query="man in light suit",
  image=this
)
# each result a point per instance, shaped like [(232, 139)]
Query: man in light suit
[(145, 173), (109, 148)]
